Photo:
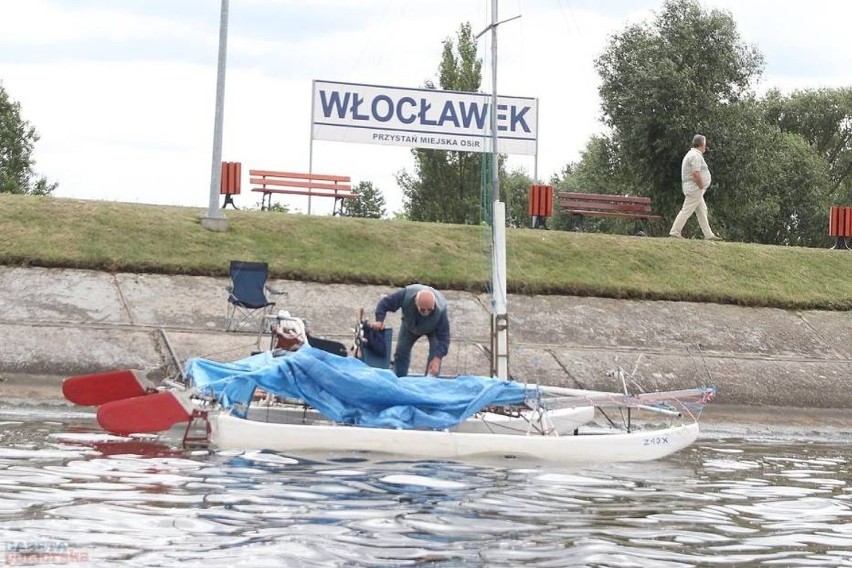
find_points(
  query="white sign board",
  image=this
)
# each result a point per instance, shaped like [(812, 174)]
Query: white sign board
[(422, 118)]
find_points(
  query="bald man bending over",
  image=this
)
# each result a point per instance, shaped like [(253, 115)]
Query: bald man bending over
[(424, 312)]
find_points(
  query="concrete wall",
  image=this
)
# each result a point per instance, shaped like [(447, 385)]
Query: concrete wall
[(63, 322)]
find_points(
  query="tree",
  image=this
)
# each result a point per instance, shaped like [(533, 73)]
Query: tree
[(369, 203), (514, 191), (661, 83), (823, 117), (598, 171), (768, 186), (688, 72), (17, 140), (445, 186)]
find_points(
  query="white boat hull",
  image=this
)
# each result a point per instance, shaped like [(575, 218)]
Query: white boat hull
[(232, 433), (559, 421)]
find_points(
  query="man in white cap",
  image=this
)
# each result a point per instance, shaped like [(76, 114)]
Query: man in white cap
[(424, 312)]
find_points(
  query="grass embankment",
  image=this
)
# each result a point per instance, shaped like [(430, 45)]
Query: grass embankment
[(121, 237)]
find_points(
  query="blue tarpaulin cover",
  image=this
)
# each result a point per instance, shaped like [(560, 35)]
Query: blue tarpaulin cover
[(348, 391)]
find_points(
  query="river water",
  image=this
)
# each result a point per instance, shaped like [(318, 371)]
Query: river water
[(71, 495)]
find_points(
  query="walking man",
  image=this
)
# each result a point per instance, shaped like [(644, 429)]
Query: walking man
[(695, 179)]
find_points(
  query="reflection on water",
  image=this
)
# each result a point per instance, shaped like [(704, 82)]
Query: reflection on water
[(69, 493)]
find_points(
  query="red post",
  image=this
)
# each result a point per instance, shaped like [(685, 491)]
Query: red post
[(540, 204), (231, 180), (840, 226)]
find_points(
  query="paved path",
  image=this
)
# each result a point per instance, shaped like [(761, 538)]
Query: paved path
[(58, 322)]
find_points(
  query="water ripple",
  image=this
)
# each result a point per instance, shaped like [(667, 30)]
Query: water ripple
[(136, 502)]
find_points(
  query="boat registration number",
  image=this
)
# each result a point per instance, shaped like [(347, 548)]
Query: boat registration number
[(656, 441)]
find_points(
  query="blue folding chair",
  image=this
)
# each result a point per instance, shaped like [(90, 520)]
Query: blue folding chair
[(374, 347), (248, 303)]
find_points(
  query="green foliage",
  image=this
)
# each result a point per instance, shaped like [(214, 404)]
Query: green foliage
[(599, 171), (462, 72), (369, 204), (662, 83), (688, 72), (17, 141), (768, 186), (823, 117), (514, 191), (445, 186), (277, 207)]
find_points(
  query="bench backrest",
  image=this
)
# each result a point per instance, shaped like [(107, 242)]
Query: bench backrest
[(603, 202), (271, 179)]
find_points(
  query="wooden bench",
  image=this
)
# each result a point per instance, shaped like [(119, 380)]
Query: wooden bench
[(311, 185), (582, 205)]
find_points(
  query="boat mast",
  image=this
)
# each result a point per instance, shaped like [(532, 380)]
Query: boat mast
[(499, 315)]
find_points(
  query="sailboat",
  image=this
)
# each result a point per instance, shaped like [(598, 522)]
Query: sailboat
[(316, 401), (543, 426), (336, 405)]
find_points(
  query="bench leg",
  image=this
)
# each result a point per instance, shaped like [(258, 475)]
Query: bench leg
[(578, 223), (539, 222), (841, 243), (229, 199), (640, 228), (338, 207)]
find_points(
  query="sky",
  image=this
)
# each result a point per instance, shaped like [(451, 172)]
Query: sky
[(122, 92)]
